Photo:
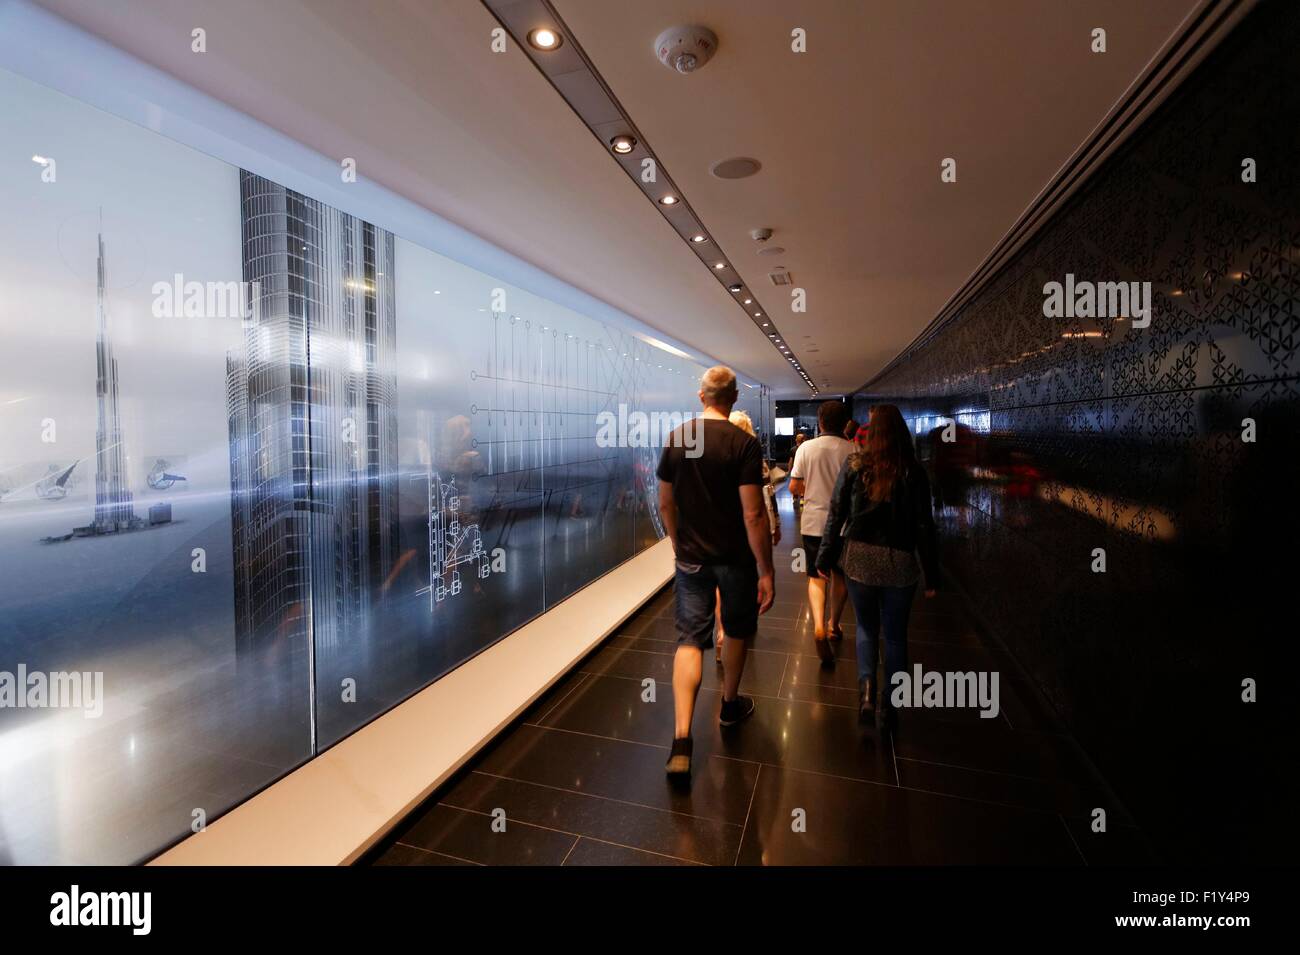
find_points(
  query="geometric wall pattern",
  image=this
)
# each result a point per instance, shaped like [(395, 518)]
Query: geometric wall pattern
[(1104, 435)]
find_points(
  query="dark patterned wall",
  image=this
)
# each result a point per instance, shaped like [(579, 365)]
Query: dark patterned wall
[(1100, 434)]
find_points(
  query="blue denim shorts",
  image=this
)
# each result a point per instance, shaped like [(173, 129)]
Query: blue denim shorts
[(700, 585)]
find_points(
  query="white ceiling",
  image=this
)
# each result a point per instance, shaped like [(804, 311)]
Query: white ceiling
[(850, 134)]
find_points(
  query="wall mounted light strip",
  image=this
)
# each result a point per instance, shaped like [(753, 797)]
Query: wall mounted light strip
[(570, 72)]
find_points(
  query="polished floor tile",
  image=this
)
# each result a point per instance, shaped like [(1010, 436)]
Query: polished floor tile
[(670, 834), (619, 769), (579, 779), (593, 852), (807, 819), (471, 837), (400, 854)]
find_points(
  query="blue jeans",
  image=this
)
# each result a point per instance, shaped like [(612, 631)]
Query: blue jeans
[(881, 608)]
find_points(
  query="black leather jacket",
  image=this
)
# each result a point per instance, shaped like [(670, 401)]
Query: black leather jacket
[(905, 522)]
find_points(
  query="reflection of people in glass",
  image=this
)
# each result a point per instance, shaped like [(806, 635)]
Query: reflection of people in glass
[(880, 517), (953, 461), (457, 456)]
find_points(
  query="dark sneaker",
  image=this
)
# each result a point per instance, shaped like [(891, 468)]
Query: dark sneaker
[(679, 760), (742, 707)]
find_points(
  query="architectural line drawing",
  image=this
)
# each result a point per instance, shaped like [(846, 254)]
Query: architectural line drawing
[(451, 544)]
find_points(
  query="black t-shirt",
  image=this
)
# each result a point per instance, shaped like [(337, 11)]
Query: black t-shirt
[(706, 488)]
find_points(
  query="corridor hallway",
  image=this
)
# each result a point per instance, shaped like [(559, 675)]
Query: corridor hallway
[(580, 777)]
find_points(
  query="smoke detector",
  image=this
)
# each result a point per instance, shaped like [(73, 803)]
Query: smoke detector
[(760, 235), (685, 49)]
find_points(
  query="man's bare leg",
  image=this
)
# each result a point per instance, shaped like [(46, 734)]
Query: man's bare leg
[(687, 670), (734, 652)]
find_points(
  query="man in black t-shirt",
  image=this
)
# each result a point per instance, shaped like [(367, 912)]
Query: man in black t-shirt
[(711, 500)]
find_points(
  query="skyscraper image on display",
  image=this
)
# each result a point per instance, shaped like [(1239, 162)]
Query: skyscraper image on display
[(311, 398), (114, 506)]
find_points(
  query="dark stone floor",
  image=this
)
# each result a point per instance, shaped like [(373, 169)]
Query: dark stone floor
[(581, 780)]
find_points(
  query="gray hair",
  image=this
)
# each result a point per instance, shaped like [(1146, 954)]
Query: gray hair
[(718, 386)]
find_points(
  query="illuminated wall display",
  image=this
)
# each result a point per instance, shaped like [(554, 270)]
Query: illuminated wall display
[(266, 469)]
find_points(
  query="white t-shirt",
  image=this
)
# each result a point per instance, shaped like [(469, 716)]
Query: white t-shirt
[(817, 463)]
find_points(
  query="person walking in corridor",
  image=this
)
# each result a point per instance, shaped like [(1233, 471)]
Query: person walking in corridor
[(817, 464), (711, 500), (880, 518), (742, 421)]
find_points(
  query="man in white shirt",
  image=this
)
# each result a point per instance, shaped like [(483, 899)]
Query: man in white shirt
[(817, 465)]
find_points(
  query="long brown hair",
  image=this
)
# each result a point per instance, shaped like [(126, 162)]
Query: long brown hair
[(888, 453)]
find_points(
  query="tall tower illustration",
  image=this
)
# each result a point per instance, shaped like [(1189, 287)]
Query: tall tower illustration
[(311, 401), (114, 510)]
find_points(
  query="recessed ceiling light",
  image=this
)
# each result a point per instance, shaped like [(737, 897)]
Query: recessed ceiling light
[(734, 288), (719, 265), (758, 314), (623, 144), (668, 201), (544, 38), (767, 324), (699, 238)]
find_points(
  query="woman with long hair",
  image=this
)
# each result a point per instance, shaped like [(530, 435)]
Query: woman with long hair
[(880, 519)]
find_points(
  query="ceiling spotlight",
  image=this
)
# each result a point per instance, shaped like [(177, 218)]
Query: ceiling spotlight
[(734, 288), (699, 238), (544, 38), (719, 265), (758, 314), (623, 144), (668, 201), (749, 301)]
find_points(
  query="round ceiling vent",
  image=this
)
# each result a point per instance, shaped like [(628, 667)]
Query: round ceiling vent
[(739, 168), (771, 250)]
